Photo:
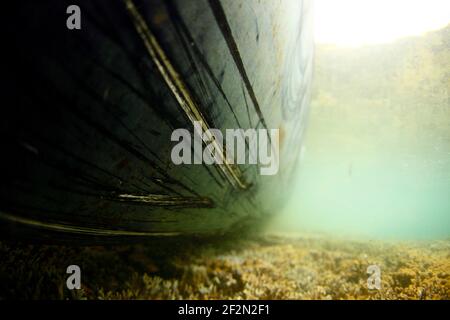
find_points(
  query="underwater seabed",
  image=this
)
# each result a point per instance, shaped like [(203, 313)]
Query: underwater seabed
[(269, 266)]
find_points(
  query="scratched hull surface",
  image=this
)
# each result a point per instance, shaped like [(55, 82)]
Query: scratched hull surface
[(86, 134)]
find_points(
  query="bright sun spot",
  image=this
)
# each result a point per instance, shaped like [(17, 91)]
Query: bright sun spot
[(359, 22)]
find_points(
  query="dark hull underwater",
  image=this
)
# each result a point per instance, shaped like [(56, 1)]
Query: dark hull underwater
[(89, 114)]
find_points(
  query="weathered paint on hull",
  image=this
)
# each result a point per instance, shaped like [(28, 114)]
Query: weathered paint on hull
[(86, 138)]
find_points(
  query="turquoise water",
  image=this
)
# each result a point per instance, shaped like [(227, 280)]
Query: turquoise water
[(355, 179), (387, 196), (376, 158)]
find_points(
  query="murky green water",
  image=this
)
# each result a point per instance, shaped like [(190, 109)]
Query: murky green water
[(377, 151), (392, 195)]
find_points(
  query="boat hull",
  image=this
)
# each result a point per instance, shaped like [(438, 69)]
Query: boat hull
[(87, 136)]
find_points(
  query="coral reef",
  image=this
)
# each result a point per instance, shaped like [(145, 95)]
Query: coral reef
[(260, 267)]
